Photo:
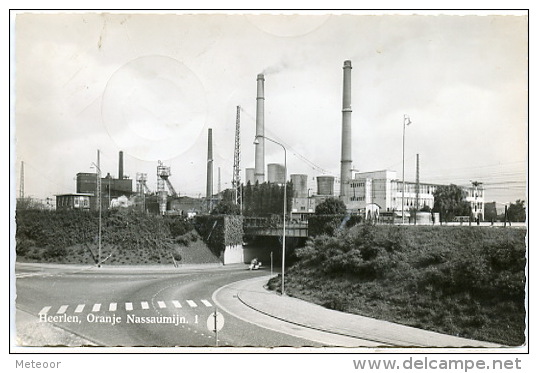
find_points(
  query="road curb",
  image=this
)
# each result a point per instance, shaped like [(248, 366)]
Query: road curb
[(311, 326)]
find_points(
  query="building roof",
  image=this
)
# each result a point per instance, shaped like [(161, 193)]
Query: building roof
[(75, 194)]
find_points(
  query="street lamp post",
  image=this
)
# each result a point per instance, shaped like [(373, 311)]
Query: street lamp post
[(256, 142), (406, 122)]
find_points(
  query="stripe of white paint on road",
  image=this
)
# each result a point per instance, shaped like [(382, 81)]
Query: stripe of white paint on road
[(129, 306), (112, 307), (44, 310), (145, 305), (96, 307), (79, 308), (176, 304), (191, 303), (161, 304), (206, 303), (62, 309)]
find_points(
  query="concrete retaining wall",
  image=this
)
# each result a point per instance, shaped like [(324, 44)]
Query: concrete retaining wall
[(233, 254)]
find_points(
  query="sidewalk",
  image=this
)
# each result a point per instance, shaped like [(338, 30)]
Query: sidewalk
[(253, 294), (32, 333)]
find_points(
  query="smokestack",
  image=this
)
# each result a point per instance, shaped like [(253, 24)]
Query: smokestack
[(345, 170), (259, 161), (120, 171), (209, 185)]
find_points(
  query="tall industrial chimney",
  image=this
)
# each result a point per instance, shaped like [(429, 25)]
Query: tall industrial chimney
[(209, 185), (345, 170), (259, 160), (120, 170)]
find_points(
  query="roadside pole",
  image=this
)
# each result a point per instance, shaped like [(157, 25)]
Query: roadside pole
[(216, 329), (215, 322), (271, 264)]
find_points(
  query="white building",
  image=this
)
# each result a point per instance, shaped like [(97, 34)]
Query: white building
[(475, 196), (376, 192)]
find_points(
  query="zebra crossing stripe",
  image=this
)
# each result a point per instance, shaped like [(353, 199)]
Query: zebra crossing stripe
[(113, 307)]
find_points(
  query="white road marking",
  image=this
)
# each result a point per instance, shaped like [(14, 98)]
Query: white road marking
[(62, 309), (191, 303), (113, 307), (176, 304), (129, 306), (44, 310), (206, 303), (96, 307), (145, 305), (79, 308), (161, 304)]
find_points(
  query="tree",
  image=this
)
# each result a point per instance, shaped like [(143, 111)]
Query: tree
[(490, 211), (450, 202), (331, 206), (265, 199), (226, 207), (516, 211)]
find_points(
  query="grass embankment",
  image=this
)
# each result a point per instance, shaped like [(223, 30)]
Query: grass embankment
[(463, 281), (128, 238)]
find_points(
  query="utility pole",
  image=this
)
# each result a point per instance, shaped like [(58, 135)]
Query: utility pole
[(406, 122), (218, 183)]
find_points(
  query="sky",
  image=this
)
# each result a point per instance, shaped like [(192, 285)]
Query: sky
[(152, 84)]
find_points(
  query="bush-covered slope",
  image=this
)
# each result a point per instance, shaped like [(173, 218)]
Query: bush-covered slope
[(127, 238), (458, 280)]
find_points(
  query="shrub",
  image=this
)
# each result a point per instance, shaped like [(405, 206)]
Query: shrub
[(460, 280)]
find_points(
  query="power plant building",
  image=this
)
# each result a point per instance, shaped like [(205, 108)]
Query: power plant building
[(372, 193)]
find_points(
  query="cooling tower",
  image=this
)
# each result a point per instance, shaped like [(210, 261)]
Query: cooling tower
[(325, 185), (249, 176), (276, 173), (299, 182)]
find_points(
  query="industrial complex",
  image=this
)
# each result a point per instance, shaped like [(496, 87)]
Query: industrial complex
[(374, 194)]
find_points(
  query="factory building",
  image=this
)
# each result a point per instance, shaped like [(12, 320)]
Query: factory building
[(85, 197), (377, 192), (111, 188)]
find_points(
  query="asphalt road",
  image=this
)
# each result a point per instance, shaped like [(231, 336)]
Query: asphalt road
[(148, 307)]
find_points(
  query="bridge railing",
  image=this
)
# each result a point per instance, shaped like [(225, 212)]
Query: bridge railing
[(263, 222)]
